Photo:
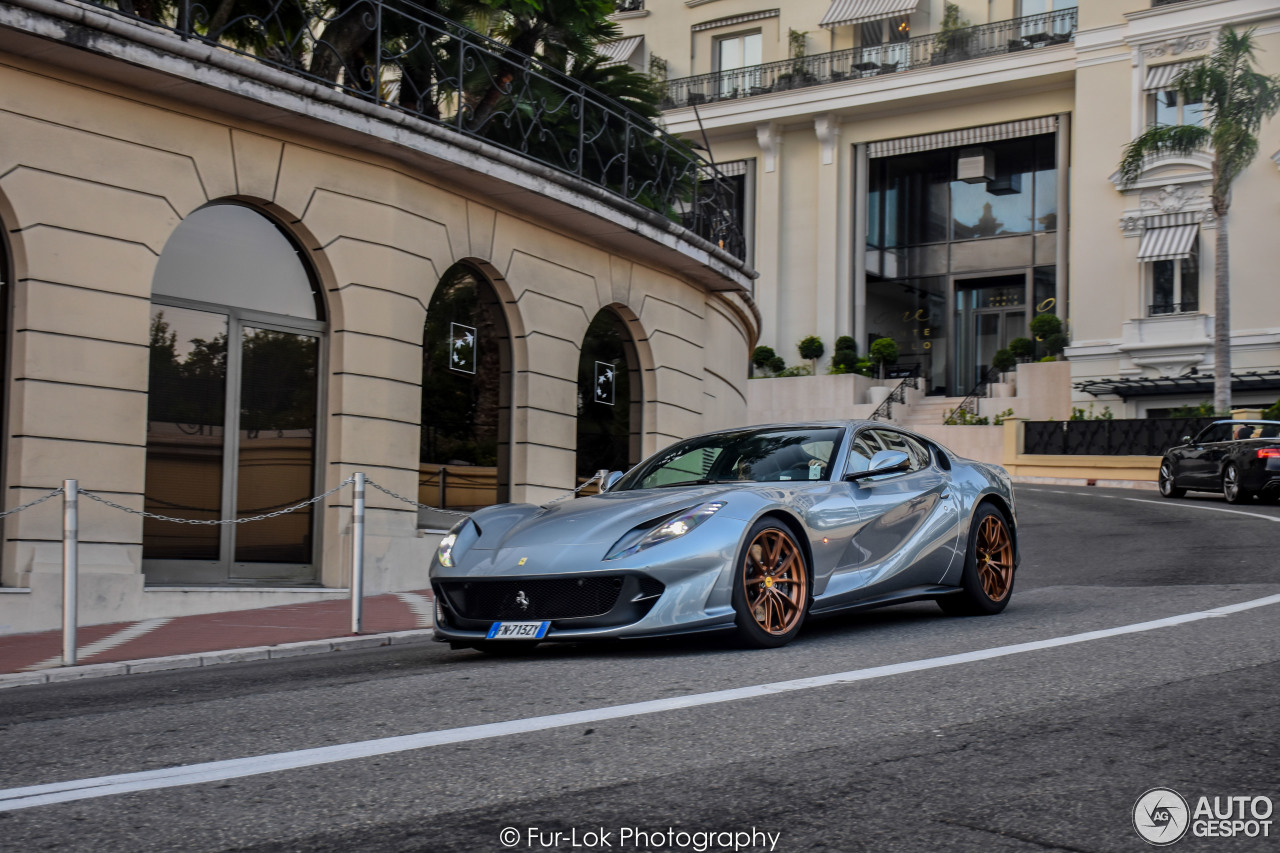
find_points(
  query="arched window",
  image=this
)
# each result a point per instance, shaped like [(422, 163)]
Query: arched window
[(465, 449), (609, 398), (237, 344)]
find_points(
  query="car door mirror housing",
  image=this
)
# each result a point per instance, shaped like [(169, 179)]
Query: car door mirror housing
[(1186, 439), (610, 479), (883, 462)]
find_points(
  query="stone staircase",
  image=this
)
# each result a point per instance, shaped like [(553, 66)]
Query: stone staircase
[(926, 411)]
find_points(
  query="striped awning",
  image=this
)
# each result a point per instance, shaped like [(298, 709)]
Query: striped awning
[(967, 136), (846, 12), (734, 20), (620, 51), (1160, 77), (1167, 244)]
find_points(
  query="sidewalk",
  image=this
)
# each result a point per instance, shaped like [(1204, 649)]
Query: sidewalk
[(190, 641)]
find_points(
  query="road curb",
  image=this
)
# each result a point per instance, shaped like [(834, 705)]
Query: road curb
[(203, 659)]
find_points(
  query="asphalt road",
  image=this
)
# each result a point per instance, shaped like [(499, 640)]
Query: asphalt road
[(1042, 745)]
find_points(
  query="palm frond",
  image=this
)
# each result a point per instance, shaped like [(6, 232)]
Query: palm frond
[(1159, 141)]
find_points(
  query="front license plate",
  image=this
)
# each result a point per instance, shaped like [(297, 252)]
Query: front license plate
[(518, 630)]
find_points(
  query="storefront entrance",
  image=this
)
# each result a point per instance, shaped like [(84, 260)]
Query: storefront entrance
[(990, 312)]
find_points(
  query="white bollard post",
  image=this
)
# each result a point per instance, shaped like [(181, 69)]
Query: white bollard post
[(357, 557), (70, 568)]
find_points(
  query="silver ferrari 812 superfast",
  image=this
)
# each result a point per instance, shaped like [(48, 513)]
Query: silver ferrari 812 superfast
[(749, 530)]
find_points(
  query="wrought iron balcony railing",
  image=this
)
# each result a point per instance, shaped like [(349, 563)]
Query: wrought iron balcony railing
[(1186, 307), (628, 5), (994, 39), (403, 57)]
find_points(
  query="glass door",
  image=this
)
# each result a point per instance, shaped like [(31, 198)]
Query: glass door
[(990, 312)]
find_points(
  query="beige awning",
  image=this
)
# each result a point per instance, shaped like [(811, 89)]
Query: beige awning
[(1167, 244), (1160, 77), (620, 51), (846, 12)]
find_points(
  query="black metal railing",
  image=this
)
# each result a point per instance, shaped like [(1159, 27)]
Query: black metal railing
[(1172, 308), (628, 5), (884, 412), (1128, 437), (403, 57), (993, 39), (970, 403)]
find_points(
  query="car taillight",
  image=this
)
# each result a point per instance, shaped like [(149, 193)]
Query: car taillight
[(1269, 453)]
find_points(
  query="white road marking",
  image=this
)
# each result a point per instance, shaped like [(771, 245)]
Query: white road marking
[(420, 606), (83, 653), (169, 777), (1275, 518)]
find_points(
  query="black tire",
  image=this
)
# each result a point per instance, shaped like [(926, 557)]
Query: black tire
[(1231, 488), (987, 582), (1167, 487), (772, 586)]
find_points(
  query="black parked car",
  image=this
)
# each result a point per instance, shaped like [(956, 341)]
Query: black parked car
[(1239, 458)]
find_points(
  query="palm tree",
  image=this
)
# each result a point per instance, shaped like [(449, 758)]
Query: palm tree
[(1237, 99)]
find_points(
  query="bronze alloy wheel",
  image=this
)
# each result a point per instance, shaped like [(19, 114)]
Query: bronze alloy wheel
[(995, 557), (775, 582)]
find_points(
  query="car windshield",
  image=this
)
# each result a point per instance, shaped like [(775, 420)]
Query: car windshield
[(754, 456)]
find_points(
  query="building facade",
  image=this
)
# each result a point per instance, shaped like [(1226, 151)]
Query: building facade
[(227, 288), (941, 173)]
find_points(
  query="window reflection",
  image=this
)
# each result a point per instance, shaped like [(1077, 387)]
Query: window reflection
[(186, 410), (277, 444)]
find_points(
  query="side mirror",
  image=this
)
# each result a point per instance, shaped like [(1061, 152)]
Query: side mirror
[(883, 462), (610, 479), (1186, 439)]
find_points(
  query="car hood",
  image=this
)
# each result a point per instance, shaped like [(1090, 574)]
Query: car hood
[(596, 520)]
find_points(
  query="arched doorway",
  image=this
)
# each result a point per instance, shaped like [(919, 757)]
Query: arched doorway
[(237, 348), (609, 398), (465, 446)]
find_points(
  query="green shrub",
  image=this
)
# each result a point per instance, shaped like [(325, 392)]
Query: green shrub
[(811, 347), (796, 370), (884, 351), (776, 365), (1046, 324), (1000, 418), (1273, 413), (1003, 360), (1056, 343), (844, 342), (1022, 347), (1078, 414), (962, 417), (1204, 410), (761, 356)]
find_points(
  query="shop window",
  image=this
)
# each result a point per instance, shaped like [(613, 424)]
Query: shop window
[(236, 348), (465, 444)]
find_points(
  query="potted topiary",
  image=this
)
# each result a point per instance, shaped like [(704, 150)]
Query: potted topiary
[(1022, 348), (951, 44), (812, 349), (884, 351), (1048, 331)]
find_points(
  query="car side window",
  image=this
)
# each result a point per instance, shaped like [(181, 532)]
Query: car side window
[(897, 441), (1214, 432)]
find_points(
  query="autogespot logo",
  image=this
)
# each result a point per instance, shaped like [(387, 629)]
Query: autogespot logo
[(1160, 816)]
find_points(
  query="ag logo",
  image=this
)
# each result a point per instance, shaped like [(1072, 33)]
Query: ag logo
[(1161, 816)]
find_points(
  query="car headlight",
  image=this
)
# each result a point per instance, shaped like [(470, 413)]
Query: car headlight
[(450, 541), (672, 528)]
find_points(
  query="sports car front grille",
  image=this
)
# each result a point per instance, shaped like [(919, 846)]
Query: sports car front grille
[(535, 599)]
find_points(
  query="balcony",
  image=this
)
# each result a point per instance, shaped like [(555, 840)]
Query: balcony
[(401, 57), (996, 39), (628, 6)]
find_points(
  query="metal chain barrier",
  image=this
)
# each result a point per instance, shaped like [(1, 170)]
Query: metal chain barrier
[(91, 496), (412, 502), (30, 504), (599, 475)]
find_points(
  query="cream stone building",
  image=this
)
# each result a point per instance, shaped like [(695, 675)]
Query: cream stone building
[(228, 287), (941, 180)]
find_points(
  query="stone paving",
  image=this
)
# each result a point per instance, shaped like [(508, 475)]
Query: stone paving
[(215, 632)]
